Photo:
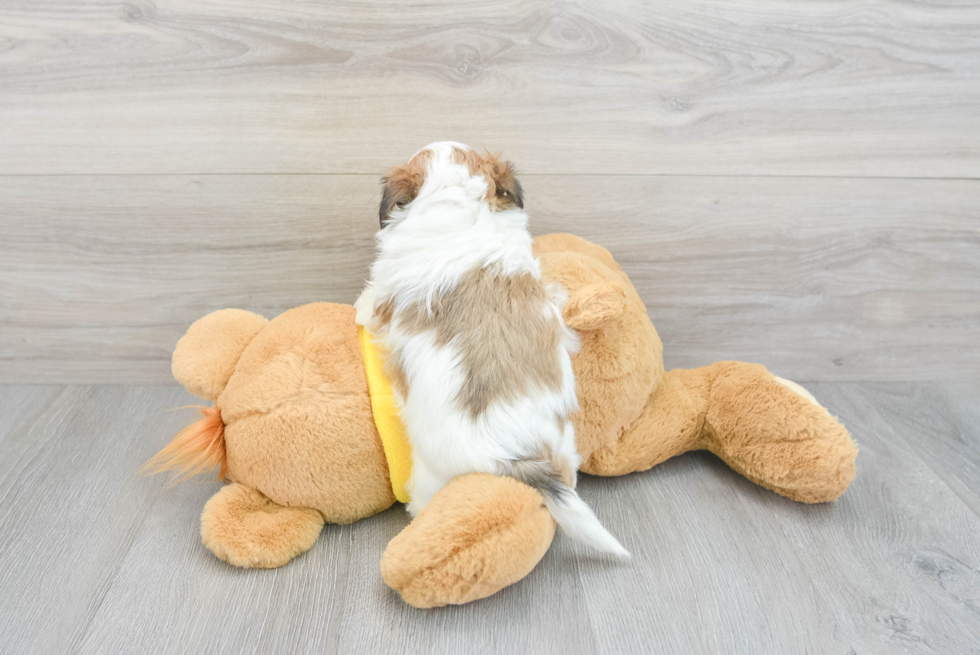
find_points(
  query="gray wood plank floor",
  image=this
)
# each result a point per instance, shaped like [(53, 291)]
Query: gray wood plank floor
[(100, 560)]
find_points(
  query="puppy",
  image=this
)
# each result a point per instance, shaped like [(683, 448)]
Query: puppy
[(475, 345)]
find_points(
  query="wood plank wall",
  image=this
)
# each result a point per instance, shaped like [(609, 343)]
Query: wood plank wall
[(791, 183)]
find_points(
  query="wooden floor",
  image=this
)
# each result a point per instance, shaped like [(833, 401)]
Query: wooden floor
[(792, 183), (99, 560)]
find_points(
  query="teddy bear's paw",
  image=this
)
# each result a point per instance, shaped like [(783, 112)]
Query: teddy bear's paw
[(775, 433), (244, 528), (479, 534)]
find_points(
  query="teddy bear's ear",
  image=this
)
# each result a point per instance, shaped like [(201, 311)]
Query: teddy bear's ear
[(593, 306), (205, 357)]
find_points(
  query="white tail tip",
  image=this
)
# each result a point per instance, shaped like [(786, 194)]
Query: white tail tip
[(578, 521)]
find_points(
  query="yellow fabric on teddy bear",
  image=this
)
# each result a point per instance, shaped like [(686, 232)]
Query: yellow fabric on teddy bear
[(398, 450)]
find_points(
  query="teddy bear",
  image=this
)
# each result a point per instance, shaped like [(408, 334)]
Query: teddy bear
[(304, 430)]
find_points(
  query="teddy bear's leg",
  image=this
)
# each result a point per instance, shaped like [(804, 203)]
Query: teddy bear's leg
[(775, 433), (770, 430), (244, 528), (668, 425), (479, 534)]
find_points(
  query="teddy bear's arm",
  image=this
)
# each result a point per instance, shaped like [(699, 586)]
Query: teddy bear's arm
[(595, 294), (592, 306), (205, 357)]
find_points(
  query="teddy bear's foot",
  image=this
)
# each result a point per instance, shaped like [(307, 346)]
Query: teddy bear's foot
[(244, 528), (775, 433), (479, 534)]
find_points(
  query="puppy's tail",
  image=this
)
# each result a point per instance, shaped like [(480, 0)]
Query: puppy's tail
[(575, 518)]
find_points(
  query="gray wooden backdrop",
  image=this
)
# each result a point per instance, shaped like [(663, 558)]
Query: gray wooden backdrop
[(795, 184)]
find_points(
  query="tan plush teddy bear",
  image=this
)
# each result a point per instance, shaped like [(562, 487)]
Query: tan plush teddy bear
[(305, 430)]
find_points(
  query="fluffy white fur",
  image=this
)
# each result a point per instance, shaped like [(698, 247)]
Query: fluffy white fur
[(446, 231)]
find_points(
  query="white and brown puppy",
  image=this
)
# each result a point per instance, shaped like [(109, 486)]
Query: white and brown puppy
[(476, 348)]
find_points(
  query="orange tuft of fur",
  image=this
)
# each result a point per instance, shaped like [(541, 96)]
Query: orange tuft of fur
[(198, 448)]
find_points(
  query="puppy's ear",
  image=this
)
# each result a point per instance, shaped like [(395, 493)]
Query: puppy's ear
[(507, 190), (397, 192), (402, 185), (400, 188)]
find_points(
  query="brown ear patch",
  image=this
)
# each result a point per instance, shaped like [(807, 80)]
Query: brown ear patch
[(402, 184), (503, 189), (509, 194)]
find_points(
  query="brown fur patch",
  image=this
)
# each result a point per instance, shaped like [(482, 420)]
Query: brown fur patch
[(506, 342), (402, 184), (384, 312), (549, 473), (566, 472), (503, 189), (396, 376)]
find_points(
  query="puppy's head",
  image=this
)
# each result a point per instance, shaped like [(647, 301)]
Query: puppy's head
[(444, 164)]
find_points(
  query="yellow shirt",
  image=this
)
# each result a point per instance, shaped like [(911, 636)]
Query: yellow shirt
[(397, 449)]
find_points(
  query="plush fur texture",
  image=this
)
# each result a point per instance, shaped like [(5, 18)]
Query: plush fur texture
[(620, 361), (479, 534), (293, 418), (302, 447), (635, 416), (205, 356), (244, 528), (299, 426), (476, 346)]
